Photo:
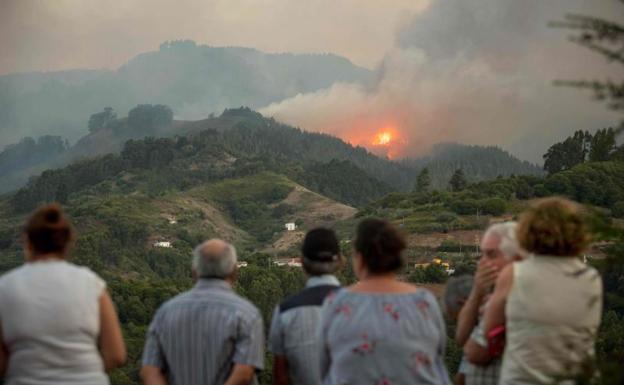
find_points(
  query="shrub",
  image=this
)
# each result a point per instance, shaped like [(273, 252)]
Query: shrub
[(493, 206)]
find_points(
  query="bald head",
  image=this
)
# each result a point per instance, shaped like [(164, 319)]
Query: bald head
[(214, 259)]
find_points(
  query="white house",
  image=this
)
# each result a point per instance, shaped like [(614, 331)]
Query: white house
[(295, 262), (165, 244), (290, 226), (241, 264)]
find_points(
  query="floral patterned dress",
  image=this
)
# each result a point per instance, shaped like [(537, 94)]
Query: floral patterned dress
[(382, 339)]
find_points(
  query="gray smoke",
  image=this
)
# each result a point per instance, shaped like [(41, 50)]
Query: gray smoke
[(478, 72)]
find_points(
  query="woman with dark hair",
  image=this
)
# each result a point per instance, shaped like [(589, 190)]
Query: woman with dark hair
[(382, 331), (551, 302), (58, 324)]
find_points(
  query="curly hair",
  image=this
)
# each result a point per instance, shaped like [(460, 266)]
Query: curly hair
[(553, 226)]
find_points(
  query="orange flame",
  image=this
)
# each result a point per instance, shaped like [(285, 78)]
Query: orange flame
[(382, 139)]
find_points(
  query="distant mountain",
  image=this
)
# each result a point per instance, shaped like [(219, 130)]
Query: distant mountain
[(192, 79), (478, 163)]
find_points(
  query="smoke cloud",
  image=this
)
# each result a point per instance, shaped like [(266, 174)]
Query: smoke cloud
[(478, 72)]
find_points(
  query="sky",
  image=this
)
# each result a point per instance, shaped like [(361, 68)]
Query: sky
[(40, 35), (478, 71)]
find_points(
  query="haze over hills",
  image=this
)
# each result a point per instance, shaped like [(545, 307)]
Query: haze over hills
[(247, 133), (194, 80)]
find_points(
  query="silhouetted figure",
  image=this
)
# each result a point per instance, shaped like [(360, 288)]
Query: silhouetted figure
[(58, 323), (293, 336), (380, 330)]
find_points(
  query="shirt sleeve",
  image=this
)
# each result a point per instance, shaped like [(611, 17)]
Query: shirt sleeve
[(324, 353), (249, 348), (152, 352), (276, 334), (478, 336)]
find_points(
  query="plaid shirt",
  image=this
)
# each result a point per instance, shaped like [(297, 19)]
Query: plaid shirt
[(482, 375)]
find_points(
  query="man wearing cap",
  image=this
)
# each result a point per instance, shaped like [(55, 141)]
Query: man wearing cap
[(293, 339)]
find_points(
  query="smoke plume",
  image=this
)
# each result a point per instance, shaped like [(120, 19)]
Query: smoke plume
[(478, 72)]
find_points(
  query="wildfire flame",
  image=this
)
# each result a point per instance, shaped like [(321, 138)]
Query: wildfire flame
[(383, 138)]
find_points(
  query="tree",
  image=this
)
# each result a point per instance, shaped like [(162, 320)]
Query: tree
[(494, 206), (423, 181), (567, 154), (458, 180), (602, 145), (102, 119), (148, 119), (605, 37)]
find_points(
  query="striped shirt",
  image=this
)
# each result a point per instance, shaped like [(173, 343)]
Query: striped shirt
[(294, 330), (198, 336)]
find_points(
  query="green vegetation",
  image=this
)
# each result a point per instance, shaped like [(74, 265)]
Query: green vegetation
[(583, 147)]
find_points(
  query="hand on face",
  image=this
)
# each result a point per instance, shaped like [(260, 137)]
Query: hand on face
[(485, 277)]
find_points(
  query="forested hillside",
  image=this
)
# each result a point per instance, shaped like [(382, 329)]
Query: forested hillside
[(241, 177), (193, 80), (477, 162), (242, 131)]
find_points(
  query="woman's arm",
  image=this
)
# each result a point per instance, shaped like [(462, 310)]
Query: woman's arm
[(495, 311), (112, 347)]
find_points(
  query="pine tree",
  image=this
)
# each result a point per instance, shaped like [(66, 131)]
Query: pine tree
[(602, 145), (458, 180), (423, 181)]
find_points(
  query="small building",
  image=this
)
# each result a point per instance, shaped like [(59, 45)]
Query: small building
[(165, 244), (436, 261), (292, 262), (290, 226), (241, 264)]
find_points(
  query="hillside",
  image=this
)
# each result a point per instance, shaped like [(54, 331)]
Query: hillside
[(478, 163), (185, 189), (245, 133), (194, 80)]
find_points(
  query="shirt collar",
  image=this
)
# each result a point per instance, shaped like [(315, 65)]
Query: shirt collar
[(326, 279), (212, 283)]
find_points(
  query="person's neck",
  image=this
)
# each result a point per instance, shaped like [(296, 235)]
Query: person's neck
[(46, 257), (378, 278)]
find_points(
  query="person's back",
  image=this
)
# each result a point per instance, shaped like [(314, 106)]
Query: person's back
[(384, 338), (381, 331), (550, 304), (50, 320), (208, 335), (553, 313), (293, 336), (58, 324), (197, 333)]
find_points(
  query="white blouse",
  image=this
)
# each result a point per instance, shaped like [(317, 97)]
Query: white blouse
[(553, 314), (50, 317)]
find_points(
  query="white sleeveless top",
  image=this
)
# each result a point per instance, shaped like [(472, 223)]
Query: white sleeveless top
[(553, 313), (50, 316)]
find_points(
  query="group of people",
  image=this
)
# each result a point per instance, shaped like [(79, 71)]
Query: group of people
[(529, 315)]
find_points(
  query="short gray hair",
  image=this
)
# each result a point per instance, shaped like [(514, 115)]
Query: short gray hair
[(508, 241), (214, 259)]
